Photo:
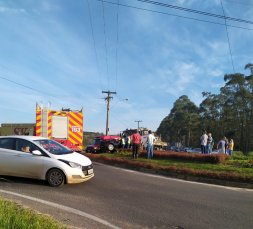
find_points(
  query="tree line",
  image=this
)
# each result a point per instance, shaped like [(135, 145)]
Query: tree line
[(229, 113)]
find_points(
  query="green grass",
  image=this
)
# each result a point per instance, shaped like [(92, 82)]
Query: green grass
[(13, 216), (237, 166)]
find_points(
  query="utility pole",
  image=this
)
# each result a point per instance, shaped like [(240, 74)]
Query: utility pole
[(108, 98), (138, 123)]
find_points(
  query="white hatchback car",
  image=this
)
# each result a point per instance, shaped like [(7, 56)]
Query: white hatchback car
[(43, 159)]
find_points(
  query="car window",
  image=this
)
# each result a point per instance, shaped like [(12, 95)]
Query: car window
[(26, 146), (53, 146), (95, 142), (6, 143)]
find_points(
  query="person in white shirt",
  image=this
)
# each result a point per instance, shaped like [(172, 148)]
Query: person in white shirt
[(203, 143), (150, 144)]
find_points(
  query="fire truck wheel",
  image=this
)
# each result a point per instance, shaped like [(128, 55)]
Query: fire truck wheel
[(110, 147), (55, 177)]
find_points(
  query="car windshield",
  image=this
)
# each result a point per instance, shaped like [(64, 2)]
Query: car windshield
[(53, 146), (95, 142)]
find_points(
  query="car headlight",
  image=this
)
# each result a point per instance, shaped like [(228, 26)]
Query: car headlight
[(72, 164)]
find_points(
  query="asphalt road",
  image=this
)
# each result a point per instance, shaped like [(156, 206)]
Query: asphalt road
[(128, 199)]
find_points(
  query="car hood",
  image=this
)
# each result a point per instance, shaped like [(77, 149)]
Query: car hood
[(74, 157)]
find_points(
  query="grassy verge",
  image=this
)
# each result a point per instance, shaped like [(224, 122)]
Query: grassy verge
[(14, 216), (230, 169), (229, 166)]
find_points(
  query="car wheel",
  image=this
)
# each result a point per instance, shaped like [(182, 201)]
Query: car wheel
[(110, 147), (55, 178)]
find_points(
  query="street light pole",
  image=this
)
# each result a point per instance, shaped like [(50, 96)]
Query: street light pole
[(108, 98)]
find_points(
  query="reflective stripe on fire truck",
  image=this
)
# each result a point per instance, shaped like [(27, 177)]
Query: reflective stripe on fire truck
[(38, 122), (76, 128)]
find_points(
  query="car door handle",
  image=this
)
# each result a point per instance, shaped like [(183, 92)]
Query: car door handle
[(18, 155)]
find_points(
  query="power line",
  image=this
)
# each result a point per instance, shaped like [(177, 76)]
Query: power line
[(174, 15), (105, 42), (29, 78), (39, 82), (118, 119), (195, 11), (130, 118), (94, 43), (239, 2), (45, 93), (228, 38)]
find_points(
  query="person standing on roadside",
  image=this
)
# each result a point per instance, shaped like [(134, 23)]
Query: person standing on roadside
[(136, 140), (231, 147), (150, 144), (221, 145), (209, 143), (212, 144), (128, 142), (123, 141), (203, 143), (227, 146)]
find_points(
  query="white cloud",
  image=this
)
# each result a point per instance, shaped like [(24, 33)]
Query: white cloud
[(215, 73), (51, 5), (184, 74), (218, 85), (11, 10)]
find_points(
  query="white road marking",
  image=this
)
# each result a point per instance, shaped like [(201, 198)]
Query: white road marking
[(176, 179), (68, 209)]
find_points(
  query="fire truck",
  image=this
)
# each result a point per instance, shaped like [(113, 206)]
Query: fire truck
[(65, 126)]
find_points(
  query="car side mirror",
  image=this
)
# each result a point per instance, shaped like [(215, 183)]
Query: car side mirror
[(36, 152)]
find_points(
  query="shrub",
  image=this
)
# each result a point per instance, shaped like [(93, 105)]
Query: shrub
[(195, 157), (238, 153)]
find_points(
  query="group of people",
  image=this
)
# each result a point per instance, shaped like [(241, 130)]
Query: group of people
[(224, 145), (207, 143), (137, 141), (125, 142)]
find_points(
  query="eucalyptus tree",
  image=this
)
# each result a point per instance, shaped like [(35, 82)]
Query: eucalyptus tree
[(181, 122)]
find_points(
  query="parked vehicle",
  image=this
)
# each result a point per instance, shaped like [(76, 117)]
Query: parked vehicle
[(43, 159), (158, 144), (195, 150), (64, 126), (103, 143), (187, 148), (215, 151)]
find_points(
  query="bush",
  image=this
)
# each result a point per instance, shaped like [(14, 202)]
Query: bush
[(250, 154), (238, 153), (194, 157)]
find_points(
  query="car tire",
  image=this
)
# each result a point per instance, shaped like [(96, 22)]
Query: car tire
[(110, 147), (55, 178)]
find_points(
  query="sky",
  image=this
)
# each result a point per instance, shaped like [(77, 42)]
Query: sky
[(67, 52)]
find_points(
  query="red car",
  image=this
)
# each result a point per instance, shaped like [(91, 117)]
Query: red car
[(102, 144)]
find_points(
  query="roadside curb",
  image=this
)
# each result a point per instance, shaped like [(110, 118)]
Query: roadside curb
[(178, 175)]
